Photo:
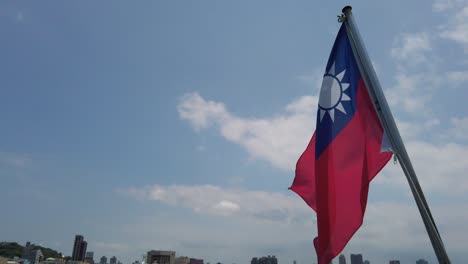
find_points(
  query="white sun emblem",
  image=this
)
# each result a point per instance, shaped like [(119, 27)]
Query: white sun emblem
[(332, 93)]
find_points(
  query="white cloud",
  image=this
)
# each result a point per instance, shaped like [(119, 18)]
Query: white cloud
[(226, 206), (215, 200), (279, 140), (201, 148), (412, 48), (459, 129), (410, 131), (441, 168), (19, 16), (313, 79), (457, 28), (14, 160), (110, 245), (110, 248), (444, 5), (235, 180), (391, 227), (244, 209), (199, 112), (404, 221), (457, 77), (417, 76), (413, 93)]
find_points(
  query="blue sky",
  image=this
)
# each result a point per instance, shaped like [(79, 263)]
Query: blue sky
[(176, 125)]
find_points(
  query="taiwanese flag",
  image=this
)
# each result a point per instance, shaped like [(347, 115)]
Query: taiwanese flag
[(344, 154)]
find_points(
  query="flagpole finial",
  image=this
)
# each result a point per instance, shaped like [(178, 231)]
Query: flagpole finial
[(346, 9)]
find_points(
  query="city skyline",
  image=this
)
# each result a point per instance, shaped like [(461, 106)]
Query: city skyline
[(170, 257), (177, 125)]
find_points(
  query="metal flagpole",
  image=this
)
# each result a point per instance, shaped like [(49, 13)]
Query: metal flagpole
[(380, 103)]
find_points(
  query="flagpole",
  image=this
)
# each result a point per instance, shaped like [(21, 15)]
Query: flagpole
[(391, 130)]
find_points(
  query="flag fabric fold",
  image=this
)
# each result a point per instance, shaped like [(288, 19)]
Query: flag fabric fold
[(344, 154)]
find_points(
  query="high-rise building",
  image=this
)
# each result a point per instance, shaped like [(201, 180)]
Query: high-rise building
[(356, 259), (113, 260), (103, 260), (76, 247), (79, 248), (26, 250), (294, 262), (160, 257), (89, 258), (83, 247), (33, 256), (422, 261), (394, 262), (342, 259)]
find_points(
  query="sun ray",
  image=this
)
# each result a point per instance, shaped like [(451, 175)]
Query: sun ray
[(345, 97), (341, 75), (331, 112), (341, 108), (344, 86), (332, 69), (322, 114)]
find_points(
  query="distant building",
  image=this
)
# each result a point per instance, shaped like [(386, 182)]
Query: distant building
[(366, 262), (113, 260), (26, 250), (33, 256), (103, 260), (356, 259), (160, 257), (196, 261), (75, 262), (342, 259), (79, 248), (394, 262), (89, 257), (422, 261), (37, 256), (18, 260), (264, 260), (182, 260), (53, 261)]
